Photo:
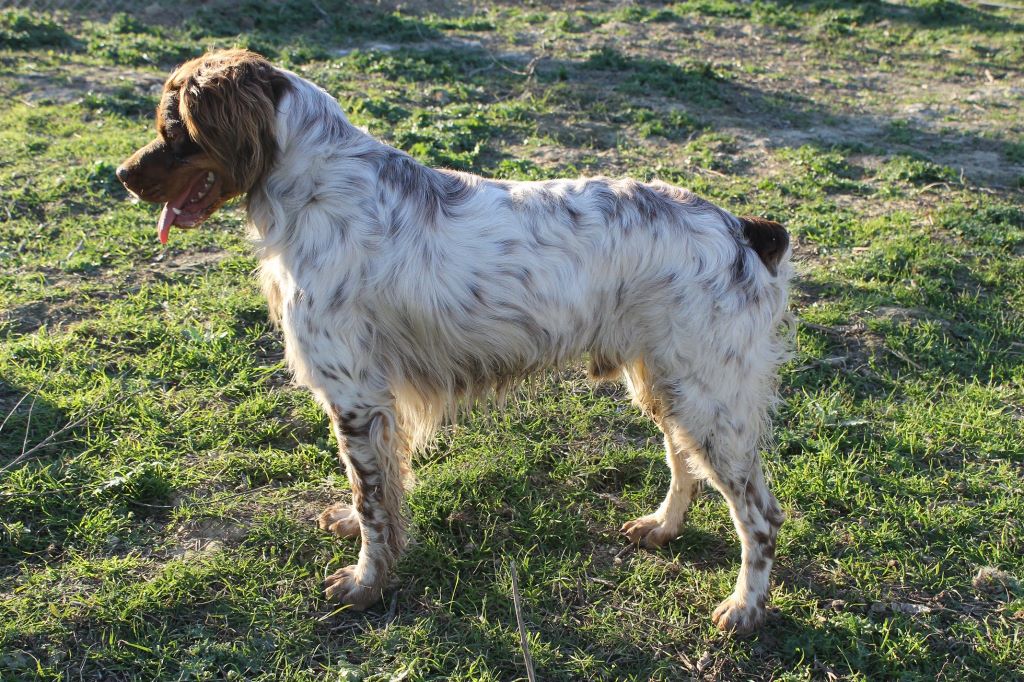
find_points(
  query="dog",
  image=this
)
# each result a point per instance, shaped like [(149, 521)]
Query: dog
[(405, 293)]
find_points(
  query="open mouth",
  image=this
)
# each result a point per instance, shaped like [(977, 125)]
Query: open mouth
[(193, 206)]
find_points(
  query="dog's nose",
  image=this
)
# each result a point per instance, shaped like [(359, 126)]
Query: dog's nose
[(122, 174)]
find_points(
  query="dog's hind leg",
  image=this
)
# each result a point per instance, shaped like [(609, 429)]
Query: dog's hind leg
[(757, 518), (715, 433), (662, 526), (730, 459)]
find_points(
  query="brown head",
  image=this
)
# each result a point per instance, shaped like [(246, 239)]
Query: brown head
[(215, 137)]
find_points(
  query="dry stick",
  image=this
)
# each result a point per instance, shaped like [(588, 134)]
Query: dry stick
[(822, 328), (902, 356), (13, 410), (321, 10), (46, 441), (990, 3), (527, 659), (28, 423), (392, 609)]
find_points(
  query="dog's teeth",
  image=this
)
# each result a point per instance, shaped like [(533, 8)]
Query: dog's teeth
[(209, 178), (177, 211)]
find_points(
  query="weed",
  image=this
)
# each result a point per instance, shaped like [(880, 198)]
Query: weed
[(905, 169), (673, 124), (20, 29)]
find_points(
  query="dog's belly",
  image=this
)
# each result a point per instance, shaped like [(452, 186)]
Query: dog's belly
[(505, 330)]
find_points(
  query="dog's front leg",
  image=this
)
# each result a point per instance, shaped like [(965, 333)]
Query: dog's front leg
[(370, 448)]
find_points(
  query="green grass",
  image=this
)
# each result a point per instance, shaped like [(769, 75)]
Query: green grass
[(168, 533)]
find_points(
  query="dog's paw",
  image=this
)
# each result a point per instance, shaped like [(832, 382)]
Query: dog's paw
[(340, 519), (737, 617), (345, 586), (649, 531)]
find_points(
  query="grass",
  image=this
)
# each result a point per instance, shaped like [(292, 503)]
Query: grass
[(168, 533)]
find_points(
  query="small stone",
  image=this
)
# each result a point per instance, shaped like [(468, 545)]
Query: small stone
[(994, 582), (909, 609)]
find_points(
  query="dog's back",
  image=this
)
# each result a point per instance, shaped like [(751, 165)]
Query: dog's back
[(507, 277)]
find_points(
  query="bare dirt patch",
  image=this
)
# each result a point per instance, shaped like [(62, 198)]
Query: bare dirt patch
[(64, 85), (784, 91), (207, 537)]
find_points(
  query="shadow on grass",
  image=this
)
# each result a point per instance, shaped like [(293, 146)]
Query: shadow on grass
[(953, 326), (49, 490), (854, 636), (28, 500), (936, 13), (715, 99), (595, 96), (293, 31), (27, 420), (250, 606)]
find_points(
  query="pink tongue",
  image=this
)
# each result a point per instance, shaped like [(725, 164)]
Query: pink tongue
[(168, 216), (163, 228)]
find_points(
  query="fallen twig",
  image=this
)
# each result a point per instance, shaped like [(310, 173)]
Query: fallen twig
[(59, 432), (28, 423), (902, 356), (527, 659), (13, 410)]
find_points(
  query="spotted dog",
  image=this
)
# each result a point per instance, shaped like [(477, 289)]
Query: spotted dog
[(404, 292)]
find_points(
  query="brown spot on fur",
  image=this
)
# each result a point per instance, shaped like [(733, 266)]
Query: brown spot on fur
[(769, 240), (349, 425)]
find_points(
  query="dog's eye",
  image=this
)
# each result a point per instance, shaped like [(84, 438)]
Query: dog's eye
[(174, 131)]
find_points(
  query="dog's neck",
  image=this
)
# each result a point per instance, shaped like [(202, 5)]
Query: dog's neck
[(312, 172), (324, 186)]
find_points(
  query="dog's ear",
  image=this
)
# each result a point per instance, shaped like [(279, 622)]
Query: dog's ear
[(227, 101)]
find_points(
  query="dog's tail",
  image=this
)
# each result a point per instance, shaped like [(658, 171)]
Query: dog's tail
[(769, 240)]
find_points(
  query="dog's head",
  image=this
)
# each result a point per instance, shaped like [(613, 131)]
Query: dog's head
[(215, 137)]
